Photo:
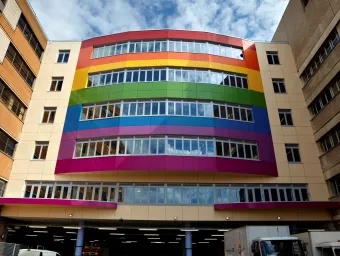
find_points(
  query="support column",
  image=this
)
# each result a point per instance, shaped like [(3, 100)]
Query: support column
[(188, 243), (80, 239)]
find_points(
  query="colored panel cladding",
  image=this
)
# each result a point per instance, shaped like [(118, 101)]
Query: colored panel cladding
[(166, 163), (161, 34), (81, 75), (180, 90), (57, 202), (264, 141), (261, 124), (278, 205), (184, 56), (249, 50)]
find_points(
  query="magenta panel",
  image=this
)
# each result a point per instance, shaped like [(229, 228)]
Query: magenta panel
[(278, 205), (68, 141), (57, 202), (169, 163)]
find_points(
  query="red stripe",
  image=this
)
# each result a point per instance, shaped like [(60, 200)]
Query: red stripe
[(162, 34)]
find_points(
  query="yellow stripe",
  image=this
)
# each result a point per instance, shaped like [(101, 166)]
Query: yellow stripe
[(81, 75)]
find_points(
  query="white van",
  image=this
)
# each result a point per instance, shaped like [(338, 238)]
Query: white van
[(37, 252)]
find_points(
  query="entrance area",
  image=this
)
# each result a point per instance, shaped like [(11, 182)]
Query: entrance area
[(128, 241)]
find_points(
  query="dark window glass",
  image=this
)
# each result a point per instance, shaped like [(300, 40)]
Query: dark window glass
[(273, 192), (7, 145), (18, 62), (10, 100), (216, 111), (219, 148), (30, 36)]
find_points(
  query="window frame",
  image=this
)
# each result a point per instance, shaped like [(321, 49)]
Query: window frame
[(51, 113), (7, 142), (273, 56), (58, 84), (65, 54), (291, 148), (279, 83), (42, 145), (286, 115)]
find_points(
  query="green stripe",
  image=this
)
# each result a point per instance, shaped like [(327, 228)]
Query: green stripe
[(157, 90)]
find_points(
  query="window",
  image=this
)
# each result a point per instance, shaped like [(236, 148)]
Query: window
[(167, 146), (2, 187), (336, 184), (7, 144), (273, 58), (56, 84), (285, 116), (11, 101), (168, 74), (168, 107), (167, 194), (326, 96), (293, 154), (49, 115), (19, 64), (30, 36), (168, 45), (63, 56), (279, 86), (40, 150), (331, 139), (319, 58), (305, 2)]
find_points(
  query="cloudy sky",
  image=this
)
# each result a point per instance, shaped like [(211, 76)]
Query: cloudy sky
[(81, 19)]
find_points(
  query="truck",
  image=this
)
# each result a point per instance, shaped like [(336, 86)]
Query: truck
[(321, 243), (262, 241)]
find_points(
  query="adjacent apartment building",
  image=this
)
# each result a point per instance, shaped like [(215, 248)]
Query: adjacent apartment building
[(22, 44), (165, 132), (314, 43)]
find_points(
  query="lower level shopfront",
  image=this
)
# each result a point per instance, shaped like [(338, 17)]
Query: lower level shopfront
[(73, 227)]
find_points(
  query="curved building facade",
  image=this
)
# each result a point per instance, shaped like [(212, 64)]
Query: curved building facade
[(167, 131), (167, 101)]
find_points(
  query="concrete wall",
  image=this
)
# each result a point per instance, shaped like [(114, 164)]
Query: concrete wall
[(309, 171)]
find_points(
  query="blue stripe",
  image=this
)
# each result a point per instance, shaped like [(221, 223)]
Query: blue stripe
[(261, 124)]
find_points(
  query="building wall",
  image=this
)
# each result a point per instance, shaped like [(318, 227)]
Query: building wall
[(63, 133), (316, 21), (10, 33)]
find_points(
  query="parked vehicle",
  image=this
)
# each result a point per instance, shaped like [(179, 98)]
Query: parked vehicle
[(37, 252), (262, 241), (321, 243)]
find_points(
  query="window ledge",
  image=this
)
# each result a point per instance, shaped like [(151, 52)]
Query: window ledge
[(57, 202), (7, 155), (13, 112), (275, 205)]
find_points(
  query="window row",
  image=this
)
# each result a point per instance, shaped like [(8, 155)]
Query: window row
[(7, 144), (179, 194), (166, 146), (11, 101), (168, 46), (168, 107), (19, 64), (30, 36), (331, 139), (325, 97), (326, 48), (168, 74)]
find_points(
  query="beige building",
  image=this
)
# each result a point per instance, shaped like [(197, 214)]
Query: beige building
[(148, 136), (314, 44)]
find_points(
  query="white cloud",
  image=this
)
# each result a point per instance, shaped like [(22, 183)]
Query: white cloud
[(81, 19)]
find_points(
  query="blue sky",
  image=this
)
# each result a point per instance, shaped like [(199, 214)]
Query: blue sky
[(82, 19)]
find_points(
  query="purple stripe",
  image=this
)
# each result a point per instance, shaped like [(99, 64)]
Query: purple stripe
[(166, 163), (274, 205), (265, 143), (58, 202)]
